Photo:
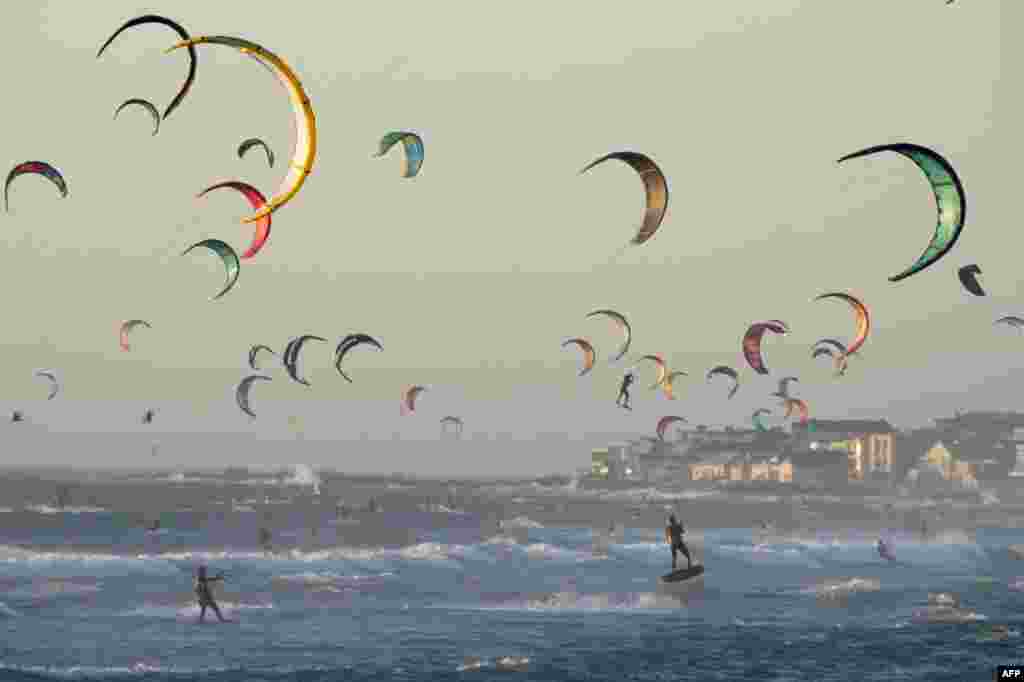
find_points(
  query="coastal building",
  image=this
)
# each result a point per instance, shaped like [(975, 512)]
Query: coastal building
[(612, 463), (599, 465), (822, 469), (867, 443), (723, 465), (740, 463), (620, 460), (989, 440), (948, 464), (1018, 467), (656, 461), (768, 468), (702, 435)]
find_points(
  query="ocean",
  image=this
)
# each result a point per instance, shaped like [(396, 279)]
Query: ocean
[(91, 595)]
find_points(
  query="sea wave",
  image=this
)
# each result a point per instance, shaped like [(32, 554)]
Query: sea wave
[(191, 611), (581, 601), (838, 588), (330, 579), (47, 509), (523, 522)]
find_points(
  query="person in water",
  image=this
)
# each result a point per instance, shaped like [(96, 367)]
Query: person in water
[(674, 537), (265, 540), (205, 594), (627, 380)]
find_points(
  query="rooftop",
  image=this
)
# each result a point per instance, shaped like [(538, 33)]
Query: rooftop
[(847, 426), (718, 457), (982, 417)]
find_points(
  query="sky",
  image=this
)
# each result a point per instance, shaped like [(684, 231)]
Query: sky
[(472, 273)]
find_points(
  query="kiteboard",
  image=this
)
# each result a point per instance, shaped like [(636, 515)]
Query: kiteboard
[(683, 574)]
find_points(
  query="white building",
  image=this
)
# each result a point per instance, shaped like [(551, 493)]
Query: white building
[(1018, 440)]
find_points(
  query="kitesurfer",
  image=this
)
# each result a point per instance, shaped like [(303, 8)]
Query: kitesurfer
[(674, 532), (205, 594), (16, 416), (884, 550), (627, 380), (265, 539)]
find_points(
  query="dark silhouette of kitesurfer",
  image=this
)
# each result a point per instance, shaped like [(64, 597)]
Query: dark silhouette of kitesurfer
[(147, 416), (884, 550), (265, 539), (17, 416), (205, 594), (627, 380), (674, 532)]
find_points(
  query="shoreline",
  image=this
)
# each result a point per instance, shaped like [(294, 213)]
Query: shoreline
[(776, 513)]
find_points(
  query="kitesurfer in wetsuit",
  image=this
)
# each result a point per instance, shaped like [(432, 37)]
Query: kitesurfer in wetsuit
[(265, 538), (674, 536), (205, 594), (884, 550), (17, 417), (627, 380)]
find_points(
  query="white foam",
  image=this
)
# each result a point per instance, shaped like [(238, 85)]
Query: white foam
[(843, 587), (46, 509), (330, 579), (522, 522), (542, 550), (191, 611), (595, 601), (431, 551), (56, 588)]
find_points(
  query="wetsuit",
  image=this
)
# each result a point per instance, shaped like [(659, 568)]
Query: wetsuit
[(674, 536), (205, 595), (265, 538), (623, 399)]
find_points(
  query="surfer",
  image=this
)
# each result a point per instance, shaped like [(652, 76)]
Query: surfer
[(265, 539), (674, 532), (884, 550), (627, 380), (205, 594)]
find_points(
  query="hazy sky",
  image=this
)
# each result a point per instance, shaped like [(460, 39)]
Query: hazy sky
[(473, 273)]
